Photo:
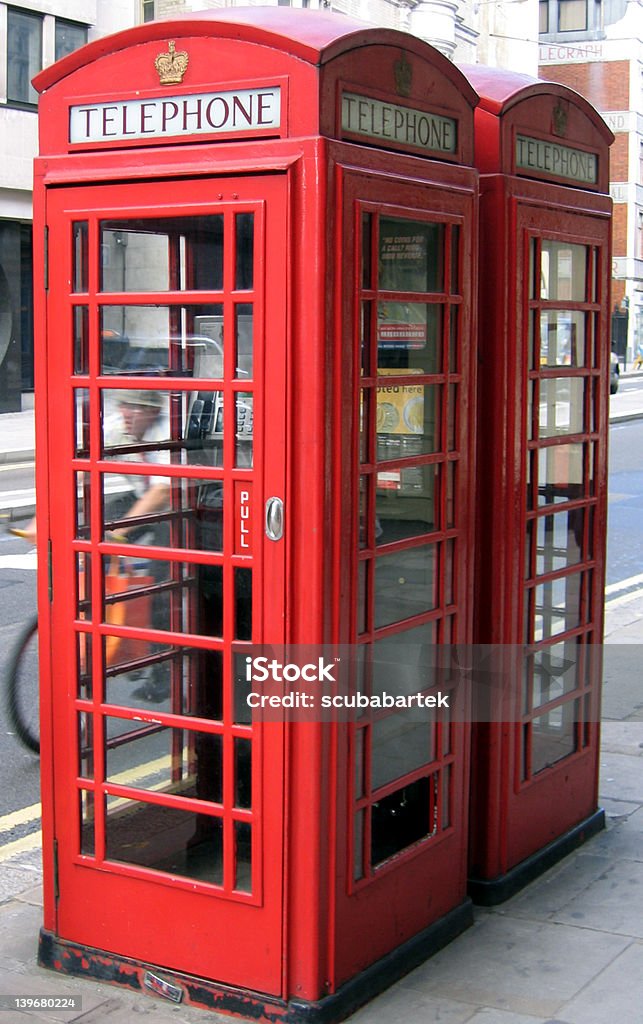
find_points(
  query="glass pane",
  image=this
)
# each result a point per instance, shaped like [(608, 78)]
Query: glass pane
[(403, 660), (562, 406), (559, 540), (243, 340), (243, 850), (408, 420), (455, 259), (83, 586), (86, 808), (563, 269), (84, 665), (560, 473), (409, 337), (358, 735), (365, 405), (182, 680), (85, 736), (166, 839), (243, 604), (362, 599), (557, 606), (366, 337), (192, 516), (358, 846), (69, 37), (562, 338), (162, 254), (242, 772), (572, 15), (406, 502), (81, 339), (553, 671), (176, 761), (83, 505), (182, 428), (241, 687), (24, 55), (150, 340), (81, 416), (80, 256), (405, 584), (173, 595), (553, 737), (400, 743), (454, 346), (244, 227), (401, 819), (411, 256), (367, 254), (451, 486), (244, 418)]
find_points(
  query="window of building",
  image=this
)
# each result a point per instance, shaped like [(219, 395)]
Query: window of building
[(148, 10), (24, 54), (572, 15), (543, 14), (69, 37)]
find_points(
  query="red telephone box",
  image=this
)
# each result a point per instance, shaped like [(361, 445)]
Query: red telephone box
[(542, 476), (258, 234)]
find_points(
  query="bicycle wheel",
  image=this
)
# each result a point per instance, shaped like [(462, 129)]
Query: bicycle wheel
[(23, 704)]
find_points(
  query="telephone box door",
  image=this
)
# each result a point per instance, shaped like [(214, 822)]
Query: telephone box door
[(166, 412)]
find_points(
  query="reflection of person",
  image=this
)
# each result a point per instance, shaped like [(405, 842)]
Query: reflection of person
[(141, 420)]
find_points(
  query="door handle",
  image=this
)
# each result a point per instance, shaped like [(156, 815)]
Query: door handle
[(274, 519)]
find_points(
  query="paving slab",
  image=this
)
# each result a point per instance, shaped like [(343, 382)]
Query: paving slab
[(38, 983), (618, 810), (623, 841), (613, 902), (13, 881), (401, 1003), (491, 1016), (622, 738), (525, 967), (618, 780), (557, 888), (615, 996)]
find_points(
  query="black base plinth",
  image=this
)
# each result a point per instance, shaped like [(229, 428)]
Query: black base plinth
[(81, 961), (490, 892)]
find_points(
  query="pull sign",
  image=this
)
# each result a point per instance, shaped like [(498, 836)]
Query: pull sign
[(243, 518), (274, 519)]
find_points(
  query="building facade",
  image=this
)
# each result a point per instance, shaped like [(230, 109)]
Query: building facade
[(33, 34), (597, 48)]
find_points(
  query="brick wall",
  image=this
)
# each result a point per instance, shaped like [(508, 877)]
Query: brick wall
[(606, 84), (619, 230), (618, 292), (619, 158)]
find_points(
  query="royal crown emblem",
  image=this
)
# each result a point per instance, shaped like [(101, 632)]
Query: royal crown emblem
[(171, 66), (559, 119), (403, 76)]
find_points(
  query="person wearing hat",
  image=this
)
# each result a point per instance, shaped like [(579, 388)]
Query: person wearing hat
[(142, 419)]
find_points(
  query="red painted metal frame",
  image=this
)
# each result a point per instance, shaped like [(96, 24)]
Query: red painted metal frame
[(519, 823), (81, 885)]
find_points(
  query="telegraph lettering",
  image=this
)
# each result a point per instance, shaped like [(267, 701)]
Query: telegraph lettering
[(396, 124), (557, 160), (168, 117)]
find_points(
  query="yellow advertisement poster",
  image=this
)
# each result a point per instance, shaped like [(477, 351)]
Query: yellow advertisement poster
[(400, 407)]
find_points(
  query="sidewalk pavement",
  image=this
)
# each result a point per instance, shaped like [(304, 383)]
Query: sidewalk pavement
[(568, 949)]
